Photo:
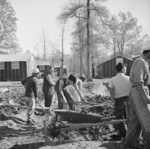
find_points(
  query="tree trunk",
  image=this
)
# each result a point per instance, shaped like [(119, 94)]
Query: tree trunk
[(114, 48), (44, 44), (80, 47), (89, 78), (62, 60), (74, 66)]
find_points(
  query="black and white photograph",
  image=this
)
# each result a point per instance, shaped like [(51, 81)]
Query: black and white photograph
[(74, 74)]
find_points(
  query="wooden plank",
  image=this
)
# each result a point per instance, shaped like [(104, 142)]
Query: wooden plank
[(5, 71), (9, 71), (142, 111), (24, 107), (21, 70), (24, 70), (45, 131), (1, 75)]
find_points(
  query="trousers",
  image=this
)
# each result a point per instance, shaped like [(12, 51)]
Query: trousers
[(48, 96), (68, 97), (120, 113), (133, 123), (31, 106)]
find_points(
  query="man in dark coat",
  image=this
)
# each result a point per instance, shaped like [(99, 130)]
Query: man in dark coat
[(48, 87)]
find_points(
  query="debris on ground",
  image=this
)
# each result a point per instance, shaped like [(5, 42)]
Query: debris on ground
[(16, 134)]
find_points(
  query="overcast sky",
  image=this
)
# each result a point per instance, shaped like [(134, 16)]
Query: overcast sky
[(36, 15)]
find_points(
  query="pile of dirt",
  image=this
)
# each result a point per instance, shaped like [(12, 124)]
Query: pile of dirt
[(97, 98)]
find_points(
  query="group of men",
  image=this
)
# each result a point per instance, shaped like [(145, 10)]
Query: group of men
[(124, 91), (67, 88)]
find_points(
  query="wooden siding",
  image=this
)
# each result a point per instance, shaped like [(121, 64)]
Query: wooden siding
[(42, 68), (9, 74), (129, 65), (108, 68)]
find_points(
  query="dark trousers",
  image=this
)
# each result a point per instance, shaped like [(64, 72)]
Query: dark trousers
[(48, 96), (69, 99), (120, 113)]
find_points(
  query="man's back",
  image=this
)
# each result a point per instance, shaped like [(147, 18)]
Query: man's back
[(64, 79), (121, 85), (31, 86)]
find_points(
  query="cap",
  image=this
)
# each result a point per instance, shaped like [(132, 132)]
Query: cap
[(146, 46), (36, 70)]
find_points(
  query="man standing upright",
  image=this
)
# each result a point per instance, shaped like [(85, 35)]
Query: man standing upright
[(31, 93), (139, 92), (48, 87), (119, 92)]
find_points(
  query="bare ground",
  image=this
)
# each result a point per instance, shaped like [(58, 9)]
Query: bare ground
[(16, 134)]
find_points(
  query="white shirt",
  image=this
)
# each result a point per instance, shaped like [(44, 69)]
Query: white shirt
[(121, 85), (73, 93), (79, 84)]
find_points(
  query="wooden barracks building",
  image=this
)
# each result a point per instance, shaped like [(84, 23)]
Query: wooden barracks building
[(15, 67), (107, 69)]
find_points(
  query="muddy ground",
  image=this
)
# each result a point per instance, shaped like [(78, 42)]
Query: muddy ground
[(16, 134)]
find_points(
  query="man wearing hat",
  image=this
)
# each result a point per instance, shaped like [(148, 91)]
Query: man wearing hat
[(139, 77), (31, 93), (48, 86), (119, 92)]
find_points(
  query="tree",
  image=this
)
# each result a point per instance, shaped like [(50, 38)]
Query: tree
[(80, 9), (124, 32), (88, 42), (8, 27), (43, 44), (134, 46)]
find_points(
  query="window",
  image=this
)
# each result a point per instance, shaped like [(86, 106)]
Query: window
[(14, 65), (41, 67), (1, 65), (118, 60)]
